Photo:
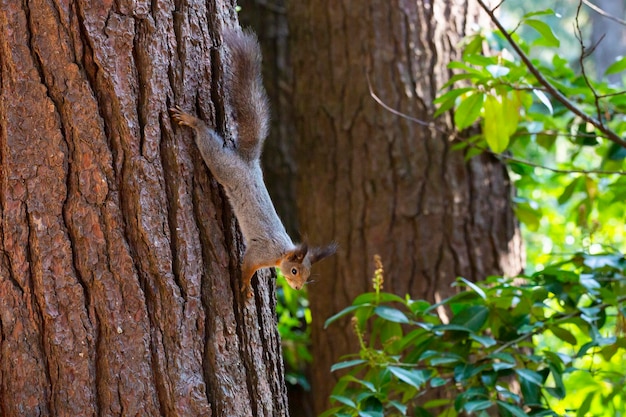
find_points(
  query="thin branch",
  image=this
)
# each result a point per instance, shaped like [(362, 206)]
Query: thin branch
[(555, 170), (603, 13), (398, 113), (581, 60), (612, 136), (455, 136), (558, 320)]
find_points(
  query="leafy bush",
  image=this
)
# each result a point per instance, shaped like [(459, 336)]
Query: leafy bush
[(562, 132), (487, 356)]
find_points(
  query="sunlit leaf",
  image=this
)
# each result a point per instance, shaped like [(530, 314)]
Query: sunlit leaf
[(586, 405), (617, 66), (544, 99), (474, 287), (413, 377), (494, 128), (539, 13), (497, 71)]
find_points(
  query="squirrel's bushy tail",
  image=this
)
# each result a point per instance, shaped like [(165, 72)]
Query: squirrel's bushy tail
[(246, 91)]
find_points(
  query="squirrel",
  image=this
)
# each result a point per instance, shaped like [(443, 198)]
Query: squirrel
[(238, 169)]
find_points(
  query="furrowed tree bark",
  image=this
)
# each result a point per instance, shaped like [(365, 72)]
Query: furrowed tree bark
[(378, 183), (119, 254)]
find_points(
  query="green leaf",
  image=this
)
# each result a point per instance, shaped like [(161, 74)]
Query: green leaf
[(474, 287), (547, 36), (559, 388), (438, 382), (371, 414), (498, 366), (617, 66), (344, 400), (367, 384), (564, 335), (569, 190), (513, 409), (511, 104), (468, 110), (528, 215), (530, 376), (477, 405), (342, 313), (346, 364), (494, 126), (539, 13), (586, 405), (398, 406), (369, 298), (486, 341), (448, 100), (391, 314), (473, 317), (414, 377), (616, 152)]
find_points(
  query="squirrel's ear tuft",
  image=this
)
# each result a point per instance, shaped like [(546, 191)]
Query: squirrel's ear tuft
[(299, 253), (317, 254)]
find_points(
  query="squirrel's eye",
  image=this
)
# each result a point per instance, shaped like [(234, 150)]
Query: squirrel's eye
[(294, 271)]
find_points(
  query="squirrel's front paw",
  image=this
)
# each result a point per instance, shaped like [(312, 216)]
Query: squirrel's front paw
[(182, 118)]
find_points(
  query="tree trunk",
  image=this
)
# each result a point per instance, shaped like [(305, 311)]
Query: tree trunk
[(119, 254), (608, 35), (379, 183)]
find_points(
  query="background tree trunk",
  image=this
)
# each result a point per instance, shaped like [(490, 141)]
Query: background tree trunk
[(609, 35), (378, 183), (118, 253)]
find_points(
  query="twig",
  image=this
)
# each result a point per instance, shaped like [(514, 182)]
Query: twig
[(558, 320), (456, 136), (581, 60), (612, 136), (603, 13)]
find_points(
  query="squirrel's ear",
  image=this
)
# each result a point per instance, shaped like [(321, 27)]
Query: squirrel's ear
[(317, 254), (299, 253)]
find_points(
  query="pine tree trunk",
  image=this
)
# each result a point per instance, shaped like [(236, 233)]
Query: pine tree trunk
[(377, 182), (119, 254)]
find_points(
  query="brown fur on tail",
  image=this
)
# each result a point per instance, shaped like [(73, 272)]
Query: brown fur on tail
[(245, 88)]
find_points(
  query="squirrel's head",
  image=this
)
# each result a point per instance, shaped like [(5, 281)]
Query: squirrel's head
[(296, 265)]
